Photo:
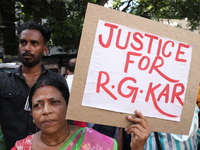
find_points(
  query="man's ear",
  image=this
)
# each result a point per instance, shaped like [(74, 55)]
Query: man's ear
[(46, 49), (68, 71)]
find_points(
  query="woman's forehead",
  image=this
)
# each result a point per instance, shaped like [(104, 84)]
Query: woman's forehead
[(46, 91)]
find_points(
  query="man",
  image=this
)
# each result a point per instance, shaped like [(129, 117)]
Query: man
[(70, 72), (16, 122), (2, 142), (69, 79)]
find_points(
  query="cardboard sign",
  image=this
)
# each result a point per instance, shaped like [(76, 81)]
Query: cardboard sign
[(131, 69), (127, 63)]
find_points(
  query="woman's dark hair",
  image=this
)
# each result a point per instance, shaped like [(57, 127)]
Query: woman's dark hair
[(55, 83), (46, 33)]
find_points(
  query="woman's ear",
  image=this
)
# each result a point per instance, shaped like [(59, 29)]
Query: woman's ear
[(32, 115)]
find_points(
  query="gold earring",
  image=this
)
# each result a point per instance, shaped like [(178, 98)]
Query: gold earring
[(33, 121)]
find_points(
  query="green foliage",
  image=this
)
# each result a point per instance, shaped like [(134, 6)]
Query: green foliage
[(165, 9), (117, 4), (169, 9), (66, 23), (7, 12), (65, 17), (27, 10)]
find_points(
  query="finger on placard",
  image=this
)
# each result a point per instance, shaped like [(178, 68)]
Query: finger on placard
[(140, 119), (139, 114), (133, 128), (135, 119)]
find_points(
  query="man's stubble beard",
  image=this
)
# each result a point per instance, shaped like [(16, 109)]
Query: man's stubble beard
[(33, 63)]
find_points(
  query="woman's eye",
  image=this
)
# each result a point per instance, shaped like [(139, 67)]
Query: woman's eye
[(36, 105), (55, 101)]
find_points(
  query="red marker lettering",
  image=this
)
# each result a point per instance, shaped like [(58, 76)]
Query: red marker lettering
[(128, 60), (151, 93), (101, 84), (164, 47), (136, 39), (152, 37), (144, 67), (112, 27), (179, 52), (165, 93), (176, 94), (118, 39), (155, 67), (133, 90)]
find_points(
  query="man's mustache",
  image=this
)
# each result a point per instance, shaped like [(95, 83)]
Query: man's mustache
[(25, 53)]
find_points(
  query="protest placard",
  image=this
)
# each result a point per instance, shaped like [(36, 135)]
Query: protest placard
[(127, 63)]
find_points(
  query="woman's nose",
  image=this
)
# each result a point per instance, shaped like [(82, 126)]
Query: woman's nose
[(47, 109)]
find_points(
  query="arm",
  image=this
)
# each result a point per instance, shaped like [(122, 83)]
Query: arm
[(2, 142), (140, 131)]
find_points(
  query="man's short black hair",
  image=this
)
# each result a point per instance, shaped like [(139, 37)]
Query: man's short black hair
[(46, 33), (71, 65)]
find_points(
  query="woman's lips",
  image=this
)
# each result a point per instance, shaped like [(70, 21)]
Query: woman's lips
[(48, 122)]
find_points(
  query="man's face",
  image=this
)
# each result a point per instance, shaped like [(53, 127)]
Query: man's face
[(31, 47)]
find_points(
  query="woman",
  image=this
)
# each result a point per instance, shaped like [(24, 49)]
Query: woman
[(48, 101), (2, 142)]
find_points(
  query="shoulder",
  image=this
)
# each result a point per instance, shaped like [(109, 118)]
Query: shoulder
[(57, 75), (5, 77), (4, 74), (12, 72), (98, 139), (54, 75), (26, 142), (8, 76), (69, 78)]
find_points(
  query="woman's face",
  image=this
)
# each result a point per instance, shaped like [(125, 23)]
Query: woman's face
[(49, 109)]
